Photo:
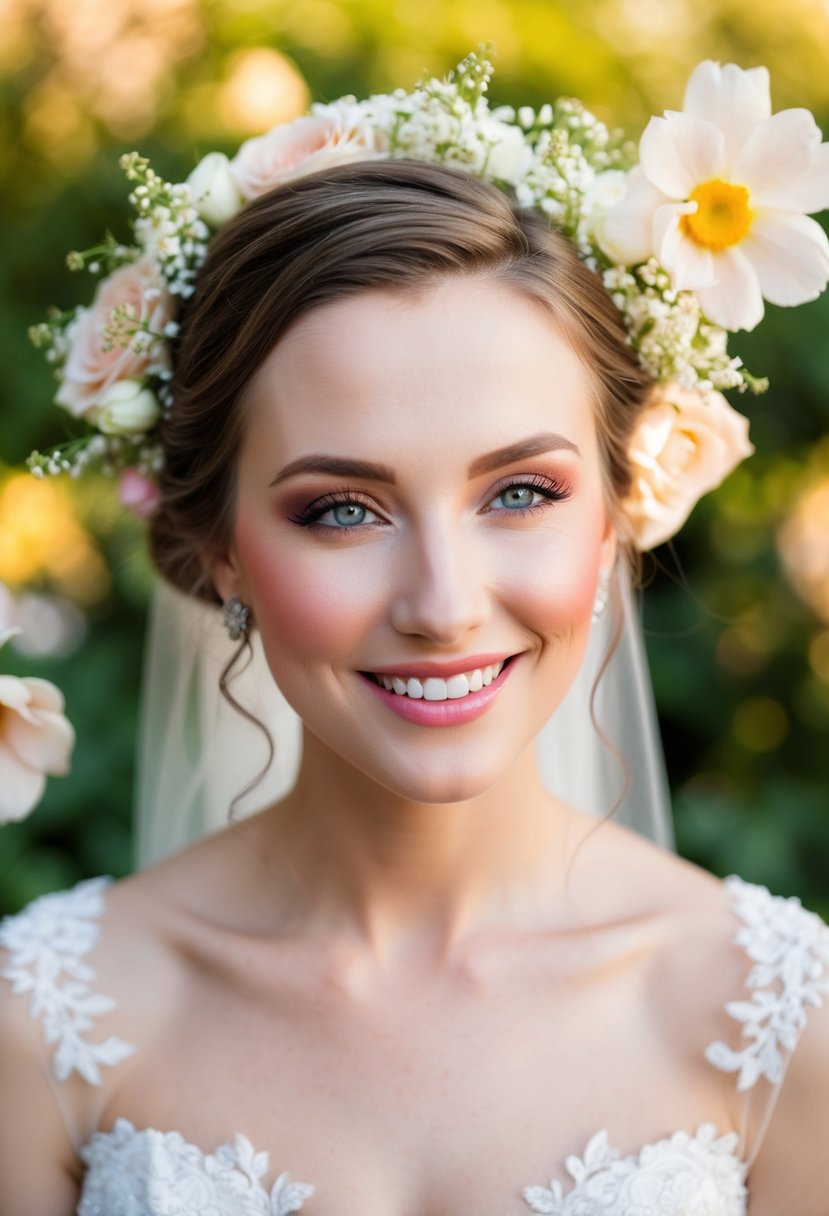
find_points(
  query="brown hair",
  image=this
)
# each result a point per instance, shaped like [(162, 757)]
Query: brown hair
[(372, 225)]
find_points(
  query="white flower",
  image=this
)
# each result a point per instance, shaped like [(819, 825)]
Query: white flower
[(606, 190), (332, 135), (721, 197), (126, 408), (35, 739), (94, 362), (683, 446), (509, 156), (213, 189)]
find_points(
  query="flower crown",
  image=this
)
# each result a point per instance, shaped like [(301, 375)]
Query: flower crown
[(688, 242)]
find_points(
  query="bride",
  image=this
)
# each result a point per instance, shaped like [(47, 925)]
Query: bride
[(397, 449)]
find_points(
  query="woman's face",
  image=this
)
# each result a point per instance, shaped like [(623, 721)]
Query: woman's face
[(420, 496)]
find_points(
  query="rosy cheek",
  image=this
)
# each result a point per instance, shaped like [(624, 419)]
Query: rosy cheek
[(304, 604)]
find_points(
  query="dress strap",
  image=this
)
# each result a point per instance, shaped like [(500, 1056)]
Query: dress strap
[(47, 943), (789, 947), (789, 950)]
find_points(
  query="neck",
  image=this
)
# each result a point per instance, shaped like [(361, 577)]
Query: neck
[(404, 875)]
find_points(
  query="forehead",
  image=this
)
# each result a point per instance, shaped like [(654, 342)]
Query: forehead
[(457, 366)]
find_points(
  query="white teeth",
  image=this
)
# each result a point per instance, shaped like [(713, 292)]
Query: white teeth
[(457, 687), (432, 688)]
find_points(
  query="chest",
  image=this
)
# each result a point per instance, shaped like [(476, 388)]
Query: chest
[(437, 1095)]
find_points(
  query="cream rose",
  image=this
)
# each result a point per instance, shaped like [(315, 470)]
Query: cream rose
[(213, 189), (126, 408), (684, 445), (90, 369), (332, 135), (35, 739)]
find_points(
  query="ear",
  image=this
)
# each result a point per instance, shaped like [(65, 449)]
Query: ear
[(225, 573), (609, 548)]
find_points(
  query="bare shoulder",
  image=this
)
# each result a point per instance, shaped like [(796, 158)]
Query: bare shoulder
[(38, 1172), (688, 920)]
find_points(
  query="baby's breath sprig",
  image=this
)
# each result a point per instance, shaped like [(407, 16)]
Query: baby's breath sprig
[(671, 335), (109, 454), (107, 256), (468, 82), (167, 227), (50, 336)]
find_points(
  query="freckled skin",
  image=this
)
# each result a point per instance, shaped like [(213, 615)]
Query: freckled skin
[(423, 384)]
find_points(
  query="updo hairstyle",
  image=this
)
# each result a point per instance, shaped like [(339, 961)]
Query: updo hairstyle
[(391, 225)]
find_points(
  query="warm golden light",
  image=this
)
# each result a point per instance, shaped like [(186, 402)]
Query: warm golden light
[(803, 544), (42, 539), (263, 88)]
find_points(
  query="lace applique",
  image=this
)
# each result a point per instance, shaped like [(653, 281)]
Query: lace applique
[(686, 1175), (144, 1173), (790, 949), (47, 942)]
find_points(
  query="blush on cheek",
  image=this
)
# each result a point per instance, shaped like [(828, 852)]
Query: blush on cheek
[(556, 590), (303, 605)]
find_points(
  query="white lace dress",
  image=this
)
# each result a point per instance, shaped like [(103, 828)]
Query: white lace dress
[(133, 1171)]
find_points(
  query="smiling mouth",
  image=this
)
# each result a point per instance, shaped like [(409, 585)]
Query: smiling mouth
[(432, 688)]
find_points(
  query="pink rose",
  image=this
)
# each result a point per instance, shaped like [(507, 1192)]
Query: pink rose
[(332, 135), (138, 493), (35, 739), (684, 445), (90, 369)]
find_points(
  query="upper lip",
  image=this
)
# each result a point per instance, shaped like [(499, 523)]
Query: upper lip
[(443, 671)]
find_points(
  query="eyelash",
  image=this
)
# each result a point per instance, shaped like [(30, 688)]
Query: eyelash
[(552, 491)]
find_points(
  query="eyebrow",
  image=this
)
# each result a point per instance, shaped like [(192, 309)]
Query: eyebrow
[(366, 470)]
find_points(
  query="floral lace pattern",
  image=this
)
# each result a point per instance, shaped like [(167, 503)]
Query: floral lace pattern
[(139, 1173), (47, 942), (790, 949), (686, 1175)]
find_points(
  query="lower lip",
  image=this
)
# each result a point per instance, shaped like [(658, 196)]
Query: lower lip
[(442, 713)]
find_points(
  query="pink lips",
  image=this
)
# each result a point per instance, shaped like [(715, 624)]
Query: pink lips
[(441, 713)]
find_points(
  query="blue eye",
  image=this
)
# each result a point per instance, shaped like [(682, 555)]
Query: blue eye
[(338, 511), (533, 493), (519, 497), (346, 514)]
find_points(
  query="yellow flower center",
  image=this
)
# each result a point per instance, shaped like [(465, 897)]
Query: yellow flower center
[(722, 218)]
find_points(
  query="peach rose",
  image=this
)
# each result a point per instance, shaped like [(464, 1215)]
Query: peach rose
[(333, 135), (684, 445), (35, 739), (89, 369)]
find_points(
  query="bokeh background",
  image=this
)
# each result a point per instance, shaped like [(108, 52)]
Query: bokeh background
[(737, 612)]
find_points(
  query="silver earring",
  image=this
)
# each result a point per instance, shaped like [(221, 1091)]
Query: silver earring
[(602, 594), (235, 617)]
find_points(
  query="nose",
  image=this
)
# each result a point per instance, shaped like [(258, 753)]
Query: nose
[(441, 590)]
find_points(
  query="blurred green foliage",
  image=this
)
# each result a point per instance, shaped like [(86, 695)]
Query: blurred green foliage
[(740, 662)]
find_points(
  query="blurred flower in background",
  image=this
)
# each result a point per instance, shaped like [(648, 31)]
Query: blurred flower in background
[(42, 540), (36, 739), (803, 543)]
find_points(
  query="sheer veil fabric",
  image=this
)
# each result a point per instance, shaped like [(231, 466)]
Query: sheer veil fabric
[(196, 753)]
